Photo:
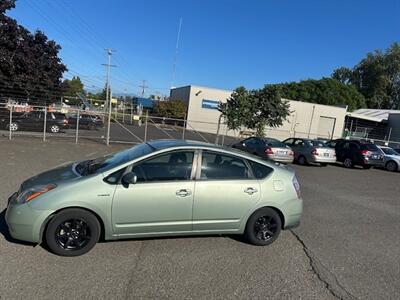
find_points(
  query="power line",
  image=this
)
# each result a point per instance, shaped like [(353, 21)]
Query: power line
[(143, 86)]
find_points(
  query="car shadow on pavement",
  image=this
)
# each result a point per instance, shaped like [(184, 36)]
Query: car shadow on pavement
[(4, 231)]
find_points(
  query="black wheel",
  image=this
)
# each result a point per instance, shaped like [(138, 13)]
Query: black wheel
[(91, 127), (72, 232), (54, 129), (263, 227), (323, 164), (348, 163), (367, 167), (302, 160), (391, 166), (13, 126)]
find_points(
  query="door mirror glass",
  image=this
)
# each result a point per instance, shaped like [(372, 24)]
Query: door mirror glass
[(129, 178)]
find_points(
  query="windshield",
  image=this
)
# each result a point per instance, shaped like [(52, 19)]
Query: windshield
[(101, 164), (389, 151)]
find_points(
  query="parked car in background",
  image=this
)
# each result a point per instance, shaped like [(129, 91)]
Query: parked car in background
[(86, 121), (35, 121), (311, 151), (397, 150), (159, 188), (267, 148), (391, 159), (356, 152)]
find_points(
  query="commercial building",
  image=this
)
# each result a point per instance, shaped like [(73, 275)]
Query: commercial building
[(305, 119)]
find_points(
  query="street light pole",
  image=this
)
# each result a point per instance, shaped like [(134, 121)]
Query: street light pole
[(108, 93)]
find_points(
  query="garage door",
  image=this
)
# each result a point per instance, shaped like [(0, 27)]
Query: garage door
[(326, 126)]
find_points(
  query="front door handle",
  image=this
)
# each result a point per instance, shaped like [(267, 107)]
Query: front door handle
[(183, 193), (250, 190)]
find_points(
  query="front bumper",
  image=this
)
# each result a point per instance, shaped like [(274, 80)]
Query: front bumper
[(25, 223)]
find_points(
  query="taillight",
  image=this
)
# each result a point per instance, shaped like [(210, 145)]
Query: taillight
[(291, 153), (296, 186), (314, 151), (365, 152), (269, 151), (65, 121)]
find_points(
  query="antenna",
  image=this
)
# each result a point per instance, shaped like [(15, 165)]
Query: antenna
[(176, 53)]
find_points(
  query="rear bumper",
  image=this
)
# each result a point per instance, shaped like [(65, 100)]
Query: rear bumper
[(286, 160), (328, 160)]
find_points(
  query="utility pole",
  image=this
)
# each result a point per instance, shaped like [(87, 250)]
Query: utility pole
[(143, 86), (108, 92)]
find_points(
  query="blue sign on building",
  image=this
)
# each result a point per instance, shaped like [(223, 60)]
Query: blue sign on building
[(210, 104)]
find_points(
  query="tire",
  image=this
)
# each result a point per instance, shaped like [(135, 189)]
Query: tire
[(13, 126), (391, 166), (302, 160), (367, 167), (348, 163), (72, 232), (263, 227), (323, 164), (54, 129), (91, 127)]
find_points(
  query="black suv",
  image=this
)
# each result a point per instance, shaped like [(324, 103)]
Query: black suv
[(354, 152), (86, 121), (34, 120)]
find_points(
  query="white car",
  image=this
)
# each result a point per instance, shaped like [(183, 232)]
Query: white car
[(391, 159)]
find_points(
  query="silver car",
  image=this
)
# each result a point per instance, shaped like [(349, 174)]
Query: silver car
[(391, 159), (311, 151)]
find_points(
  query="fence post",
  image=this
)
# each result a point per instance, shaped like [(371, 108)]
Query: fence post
[(145, 126), (184, 127), (45, 124), (77, 127), (9, 125), (131, 113)]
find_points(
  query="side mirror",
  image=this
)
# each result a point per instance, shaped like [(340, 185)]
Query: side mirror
[(129, 178)]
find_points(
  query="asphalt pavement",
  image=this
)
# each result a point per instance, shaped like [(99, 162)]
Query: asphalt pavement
[(346, 247)]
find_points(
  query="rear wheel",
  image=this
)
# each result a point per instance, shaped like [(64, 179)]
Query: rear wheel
[(302, 160), (72, 232), (263, 227), (348, 163), (54, 128), (391, 166)]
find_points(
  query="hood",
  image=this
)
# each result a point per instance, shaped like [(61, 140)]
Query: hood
[(62, 173)]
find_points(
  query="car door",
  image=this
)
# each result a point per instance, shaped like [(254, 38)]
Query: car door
[(225, 191), (32, 121), (161, 201)]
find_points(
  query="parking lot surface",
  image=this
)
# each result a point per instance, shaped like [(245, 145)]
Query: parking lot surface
[(346, 247)]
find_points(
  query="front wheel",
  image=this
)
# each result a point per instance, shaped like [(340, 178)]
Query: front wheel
[(13, 126), (391, 166), (263, 227), (72, 232)]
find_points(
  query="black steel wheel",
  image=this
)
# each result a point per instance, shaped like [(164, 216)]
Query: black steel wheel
[(348, 163), (72, 232), (263, 227)]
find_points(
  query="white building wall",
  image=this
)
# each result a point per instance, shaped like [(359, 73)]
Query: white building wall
[(306, 119)]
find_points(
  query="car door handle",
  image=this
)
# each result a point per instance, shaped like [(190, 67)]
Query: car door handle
[(250, 190), (183, 193)]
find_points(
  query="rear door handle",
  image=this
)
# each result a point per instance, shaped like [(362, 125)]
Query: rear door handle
[(183, 193), (250, 190)]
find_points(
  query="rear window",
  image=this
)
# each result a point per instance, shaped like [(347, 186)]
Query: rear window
[(275, 143), (369, 147), (317, 144), (260, 171)]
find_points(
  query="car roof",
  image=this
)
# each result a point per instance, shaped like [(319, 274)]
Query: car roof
[(171, 143)]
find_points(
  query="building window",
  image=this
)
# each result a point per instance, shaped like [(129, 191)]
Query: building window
[(210, 104)]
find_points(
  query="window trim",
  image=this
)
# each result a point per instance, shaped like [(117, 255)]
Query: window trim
[(200, 160)]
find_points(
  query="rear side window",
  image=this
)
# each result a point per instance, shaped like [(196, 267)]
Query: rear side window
[(216, 166), (275, 143), (260, 171)]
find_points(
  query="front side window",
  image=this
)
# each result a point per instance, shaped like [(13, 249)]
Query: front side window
[(288, 141), (165, 167), (216, 166), (299, 143)]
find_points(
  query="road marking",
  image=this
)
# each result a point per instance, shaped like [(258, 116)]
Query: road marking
[(91, 154)]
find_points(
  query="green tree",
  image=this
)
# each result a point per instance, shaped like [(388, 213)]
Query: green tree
[(73, 86), (30, 68), (255, 109), (171, 109)]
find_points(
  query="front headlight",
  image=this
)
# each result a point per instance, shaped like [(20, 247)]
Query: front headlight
[(34, 192)]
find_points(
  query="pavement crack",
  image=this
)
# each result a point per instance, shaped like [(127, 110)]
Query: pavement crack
[(323, 274)]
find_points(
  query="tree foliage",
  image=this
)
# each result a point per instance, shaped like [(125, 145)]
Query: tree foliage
[(30, 68), (171, 109), (377, 77), (326, 91), (255, 109), (72, 87)]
